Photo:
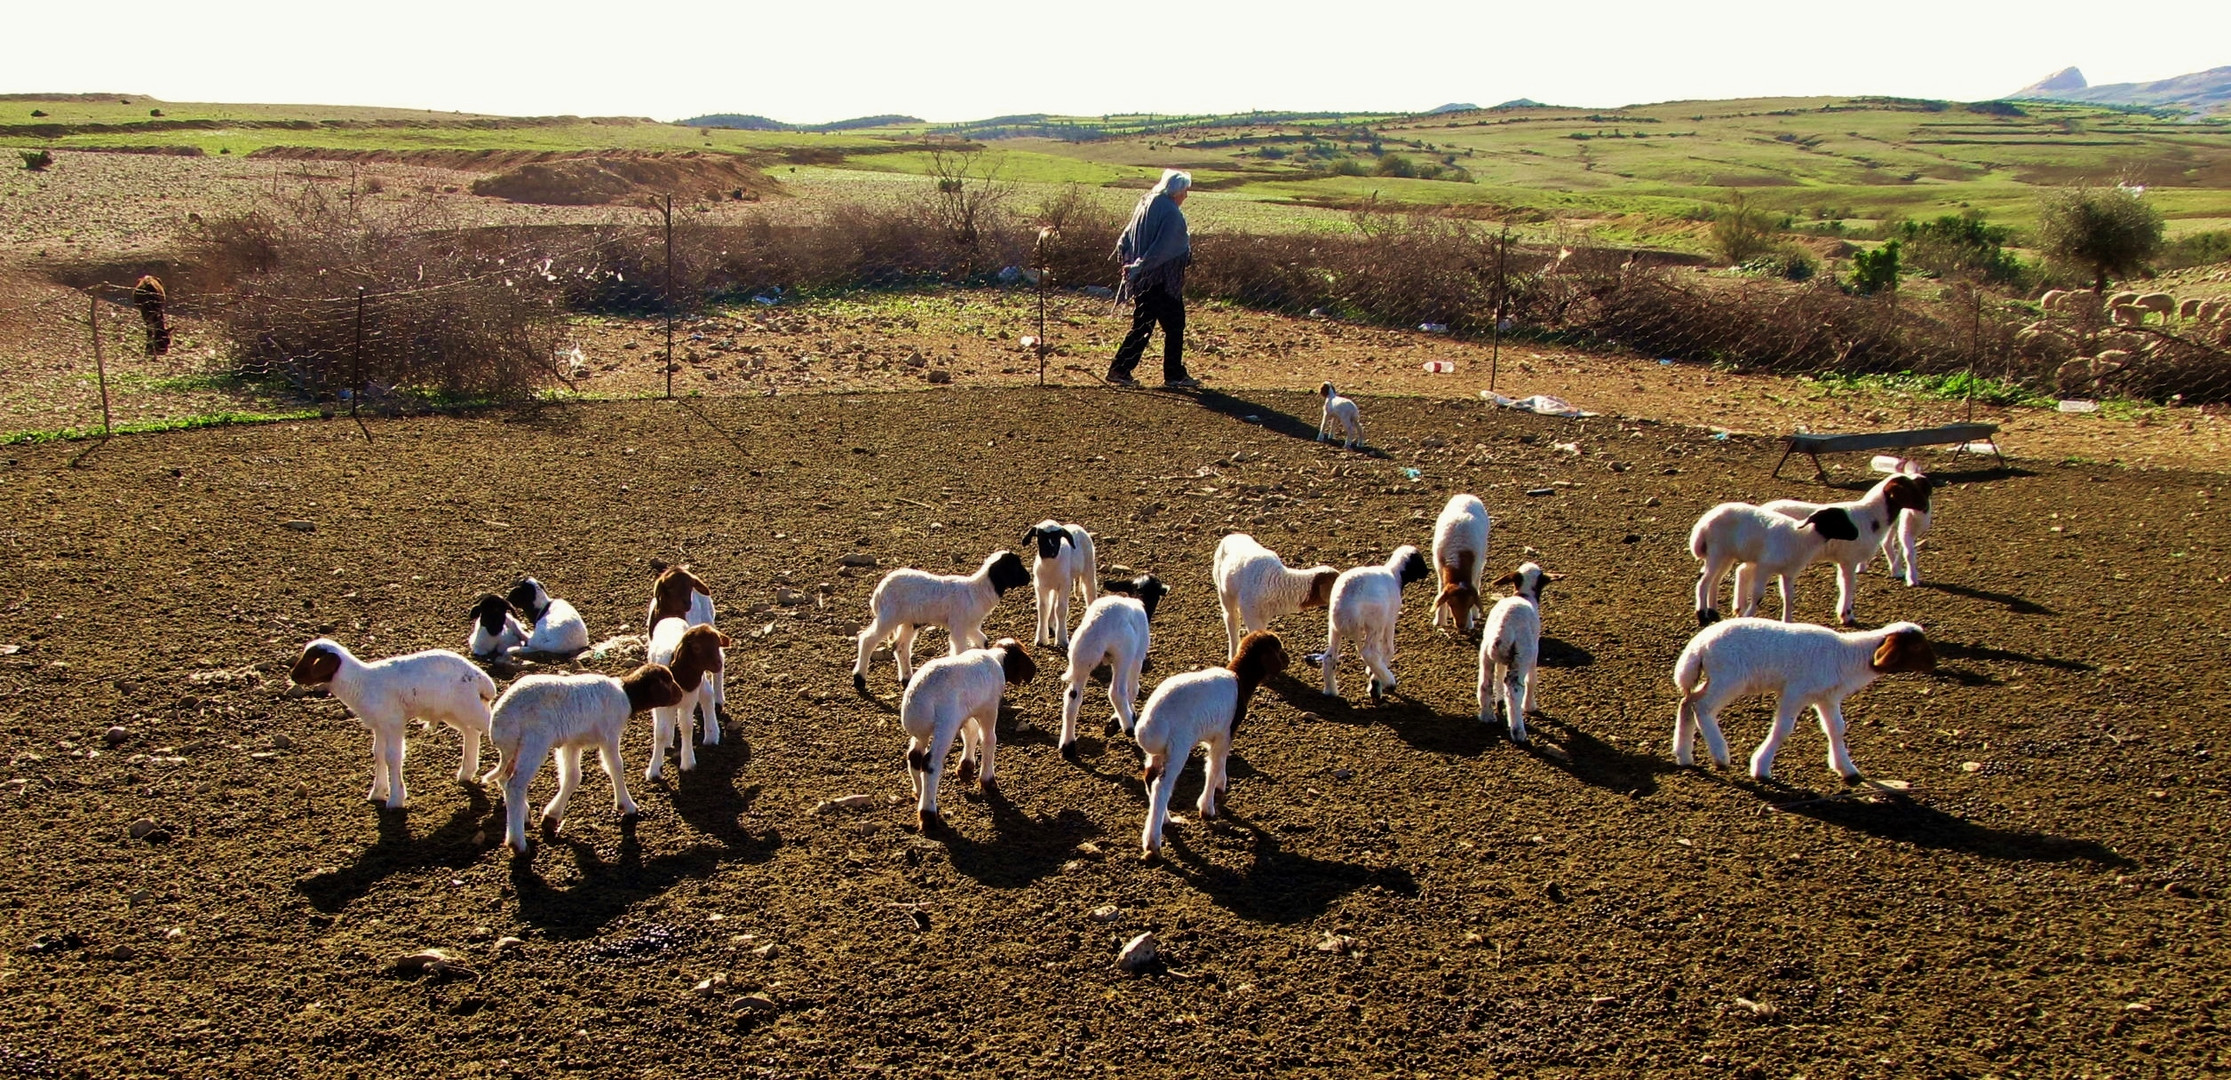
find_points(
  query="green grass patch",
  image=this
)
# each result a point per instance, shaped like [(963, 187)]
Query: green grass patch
[(173, 423), (1959, 386)]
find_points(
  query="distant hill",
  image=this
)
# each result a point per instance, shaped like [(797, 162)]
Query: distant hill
[(752, 122), (1454, 106), (1522, 103), (2200, 90)]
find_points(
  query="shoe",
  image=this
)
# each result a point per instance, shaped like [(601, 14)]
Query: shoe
[(1124, 381), (1182, 382)]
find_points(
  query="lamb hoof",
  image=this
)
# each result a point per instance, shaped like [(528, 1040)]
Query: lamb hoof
[(1069, 751), (989, 787), (1852, 779), (1378, 693), (967, 773), (929, 822), (859, 682), (1707, 617)]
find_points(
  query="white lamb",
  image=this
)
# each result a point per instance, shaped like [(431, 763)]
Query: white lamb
[(1873, 517), (1802, 664), (1255, 587), (496, 630), (1366, 603), (1065, 564), (680, 594), (693, 654), (1460, 554), (1511, 648), (1339, 414), (1765, 544), (554, 626), (386, 695), (907, 600), (562, 715), (1902, 549), (1195, 709), (958, 694), (1115, 631)]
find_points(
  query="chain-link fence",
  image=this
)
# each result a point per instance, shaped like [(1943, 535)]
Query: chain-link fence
[(316, 303)]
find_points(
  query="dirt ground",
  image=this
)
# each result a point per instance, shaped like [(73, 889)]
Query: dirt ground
[(1399, 890)]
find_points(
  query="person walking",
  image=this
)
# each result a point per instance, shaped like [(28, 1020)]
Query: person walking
[(1154, 251)]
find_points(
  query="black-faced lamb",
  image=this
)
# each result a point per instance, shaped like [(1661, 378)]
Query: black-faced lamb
[(958, 694), (1366, 603), (1065, 563), (496, 631), (1254, 587), (1511, 648), (1460, 554), (437, 686), (1801, 664), (553, 626), (1199, 708), (560, 716), (1115, 631), (907, 600)]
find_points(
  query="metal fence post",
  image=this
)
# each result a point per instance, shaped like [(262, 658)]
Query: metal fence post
[(667, 208), (356, 359), (100, 365)]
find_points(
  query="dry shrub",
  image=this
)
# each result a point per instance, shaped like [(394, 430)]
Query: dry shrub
[(465, 314)]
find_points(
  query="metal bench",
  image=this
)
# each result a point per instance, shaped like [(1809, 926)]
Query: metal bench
[(1814, 445)]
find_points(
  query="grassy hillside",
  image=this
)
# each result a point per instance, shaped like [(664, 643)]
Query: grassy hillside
[(1648, 172)]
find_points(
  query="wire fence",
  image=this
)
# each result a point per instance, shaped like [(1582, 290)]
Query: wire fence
[(317, 304)]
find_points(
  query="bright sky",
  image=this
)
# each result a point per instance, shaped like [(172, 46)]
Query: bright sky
[(823, 60)]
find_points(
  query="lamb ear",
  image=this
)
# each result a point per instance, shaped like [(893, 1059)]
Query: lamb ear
[(1835, 523), (1553, 577), (1507, 581)]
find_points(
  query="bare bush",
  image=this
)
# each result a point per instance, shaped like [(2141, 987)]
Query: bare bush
[(469, 314)]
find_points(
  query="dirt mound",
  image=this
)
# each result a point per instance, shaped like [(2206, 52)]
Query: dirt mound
[(604, 179)]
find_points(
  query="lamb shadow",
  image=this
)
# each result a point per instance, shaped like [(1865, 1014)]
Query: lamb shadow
[(1424, 728), (2014, 604), (1900, 818), (450, 846), (609, 889), (1557, 653), (1263, 416), (1276, 886), (1023, 850), (1953, 650), (1593, 761)]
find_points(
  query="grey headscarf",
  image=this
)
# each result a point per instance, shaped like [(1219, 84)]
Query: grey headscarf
[(1155, 248)]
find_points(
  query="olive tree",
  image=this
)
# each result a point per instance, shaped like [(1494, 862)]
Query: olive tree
[(2109, 231)]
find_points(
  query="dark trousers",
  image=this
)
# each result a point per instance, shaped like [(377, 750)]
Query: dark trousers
[(1154, 306)]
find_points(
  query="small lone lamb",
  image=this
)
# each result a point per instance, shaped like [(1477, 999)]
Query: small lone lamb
[(1339, 414)]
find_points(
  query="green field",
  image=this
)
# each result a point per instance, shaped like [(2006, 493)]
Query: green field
[(1647, 173)]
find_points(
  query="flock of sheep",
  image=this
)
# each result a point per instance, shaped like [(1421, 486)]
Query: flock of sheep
[(959, 694), (2095, 339)]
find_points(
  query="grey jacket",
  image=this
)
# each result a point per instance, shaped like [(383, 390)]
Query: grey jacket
[(1154, 250)]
